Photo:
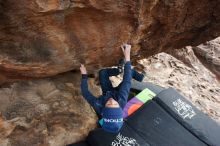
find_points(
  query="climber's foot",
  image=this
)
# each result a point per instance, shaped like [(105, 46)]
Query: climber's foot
[(121, 64)]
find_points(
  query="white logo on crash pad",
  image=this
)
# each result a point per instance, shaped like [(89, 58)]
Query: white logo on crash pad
[(124, 141), (184, 109)]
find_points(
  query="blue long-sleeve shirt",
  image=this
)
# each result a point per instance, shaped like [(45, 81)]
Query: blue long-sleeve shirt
[(120, 95)]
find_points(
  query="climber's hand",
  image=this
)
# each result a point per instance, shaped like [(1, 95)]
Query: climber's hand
[(126, 48), (83, 69)]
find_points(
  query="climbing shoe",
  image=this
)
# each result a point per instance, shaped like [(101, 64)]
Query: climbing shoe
[(121, 64)]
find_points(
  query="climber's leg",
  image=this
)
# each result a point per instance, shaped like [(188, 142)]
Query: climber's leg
[(104, 80), (137, 76)]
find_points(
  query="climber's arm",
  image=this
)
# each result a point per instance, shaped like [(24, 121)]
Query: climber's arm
[(126, 83), (92, 100)]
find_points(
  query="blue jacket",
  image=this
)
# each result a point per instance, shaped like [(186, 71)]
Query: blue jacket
[(119, 95)]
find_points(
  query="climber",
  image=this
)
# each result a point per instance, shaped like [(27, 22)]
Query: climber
[(109, 106)]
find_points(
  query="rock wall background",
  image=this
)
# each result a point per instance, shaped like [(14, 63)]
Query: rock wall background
[(209, 55), (42, 38), (45, 112)]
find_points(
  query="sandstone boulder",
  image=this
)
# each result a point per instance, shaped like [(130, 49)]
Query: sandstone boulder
[(45, 112), (43, 38), (209, 55)]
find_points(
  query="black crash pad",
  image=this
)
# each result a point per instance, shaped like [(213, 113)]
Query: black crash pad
[(149, 126), (158, 128), (126, 137), (189, 116), (139, 86)]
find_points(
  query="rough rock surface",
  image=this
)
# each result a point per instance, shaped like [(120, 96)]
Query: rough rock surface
[(45, 112), (43, 38), (193, 80), (209, 55)]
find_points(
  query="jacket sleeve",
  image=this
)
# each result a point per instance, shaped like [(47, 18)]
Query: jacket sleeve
[(92, 100), (125, 85)]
